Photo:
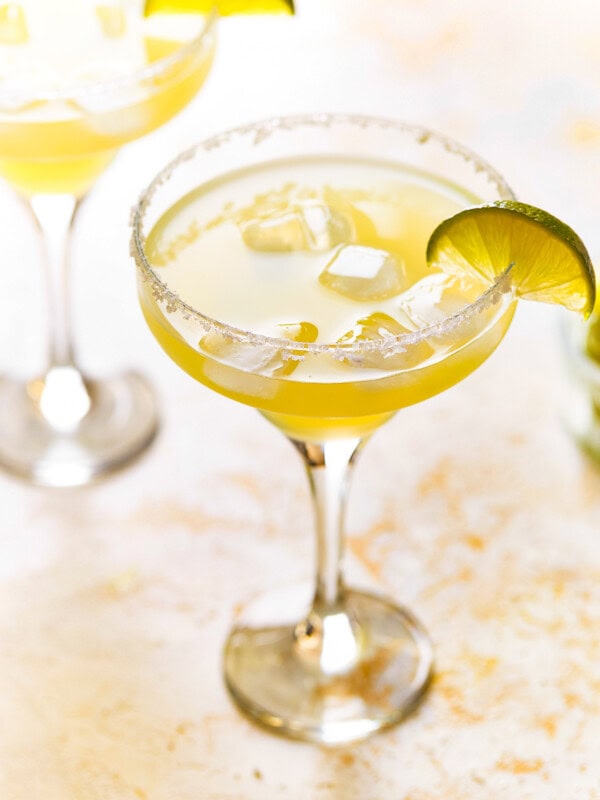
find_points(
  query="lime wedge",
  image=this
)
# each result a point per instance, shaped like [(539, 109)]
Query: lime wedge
[(550, 262), (224, 7)]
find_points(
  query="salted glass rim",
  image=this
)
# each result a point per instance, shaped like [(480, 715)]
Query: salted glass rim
[(261, 130), (139, 75)]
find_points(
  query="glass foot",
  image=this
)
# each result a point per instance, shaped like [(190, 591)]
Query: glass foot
[(334, 678), (64, 430)]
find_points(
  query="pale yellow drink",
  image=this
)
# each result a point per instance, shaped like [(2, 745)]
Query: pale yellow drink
[(78, 79), (317, 251)]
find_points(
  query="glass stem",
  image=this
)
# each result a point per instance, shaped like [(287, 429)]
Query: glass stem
[(62, 396), (329, 638), (55, 217), (328, 467)]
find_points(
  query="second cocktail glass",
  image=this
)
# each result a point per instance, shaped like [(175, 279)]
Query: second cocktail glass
[(80, 80), (283, 264)]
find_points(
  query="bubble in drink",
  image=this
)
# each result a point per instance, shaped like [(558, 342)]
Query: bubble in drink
[(266, 360), (307, 225), (378, 327), (364, 273)]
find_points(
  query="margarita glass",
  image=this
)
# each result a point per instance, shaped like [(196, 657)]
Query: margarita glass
[(78, 81), (282, 264)]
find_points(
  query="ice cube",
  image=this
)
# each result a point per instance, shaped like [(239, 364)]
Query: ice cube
[(380, 327), (295, 332), (282, 232), (377, 326), (114, 111), (298, 332), (261, 359), (306, 225), (325, 227), (13, 25), (112, 19), (433, 299), (364, 273)]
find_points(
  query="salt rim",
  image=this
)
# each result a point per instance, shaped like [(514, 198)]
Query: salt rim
[(9, 100), (262, 130)]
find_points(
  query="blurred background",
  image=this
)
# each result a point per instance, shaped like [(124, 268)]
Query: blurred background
[(476, 509)]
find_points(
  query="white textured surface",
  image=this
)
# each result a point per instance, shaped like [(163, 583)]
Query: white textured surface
[(474, 509)]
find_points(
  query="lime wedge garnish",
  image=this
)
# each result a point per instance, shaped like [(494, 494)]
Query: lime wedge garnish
[(224, 7), (549, 261)]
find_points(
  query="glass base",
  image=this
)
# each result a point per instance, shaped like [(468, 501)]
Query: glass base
[(64, 430), (365, 669)]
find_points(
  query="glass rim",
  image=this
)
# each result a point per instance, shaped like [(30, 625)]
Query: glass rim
[(261, 130), (136, 76)]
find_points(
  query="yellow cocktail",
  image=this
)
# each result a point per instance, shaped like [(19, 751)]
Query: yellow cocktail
[(79, 80), (283, 265), (320, 252)]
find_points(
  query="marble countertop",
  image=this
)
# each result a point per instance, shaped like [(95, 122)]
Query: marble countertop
[(475, 509)]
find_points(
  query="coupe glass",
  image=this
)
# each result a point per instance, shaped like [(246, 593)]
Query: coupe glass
[(333, 664), (64, 428)]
